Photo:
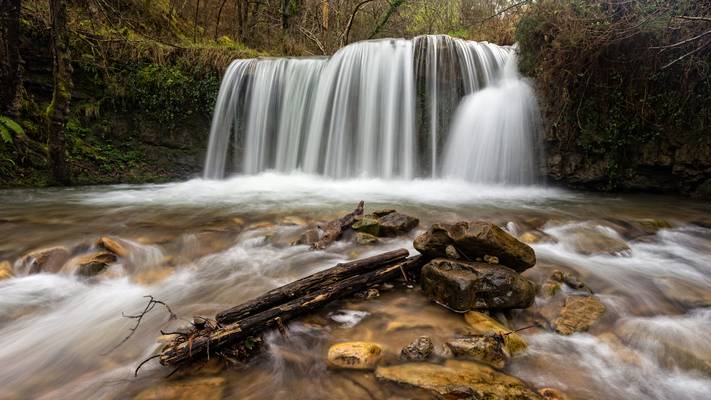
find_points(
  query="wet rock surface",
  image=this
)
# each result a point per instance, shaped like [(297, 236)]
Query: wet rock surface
[(579, 313), (354, 355), (483, 324), (474, 240), (385, 223), (465, 286), (591, 241), (458, 379), (5, 270), (364, 239), (419, 350), (488, 349), (683, 293), (45, 260), (91, 264)]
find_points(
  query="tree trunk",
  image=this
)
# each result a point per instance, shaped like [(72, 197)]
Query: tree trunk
[(219, 15), (325, 11), (203, 343), (195, 21), (312, 282), (58, 110), (9, 54)]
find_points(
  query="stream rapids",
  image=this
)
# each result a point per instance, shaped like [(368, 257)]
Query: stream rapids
[(203, 246)]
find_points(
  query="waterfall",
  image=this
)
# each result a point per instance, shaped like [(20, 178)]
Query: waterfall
[(493, 133), (379, 108)]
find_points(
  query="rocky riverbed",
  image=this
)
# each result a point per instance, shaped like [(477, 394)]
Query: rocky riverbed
[(614, 305)]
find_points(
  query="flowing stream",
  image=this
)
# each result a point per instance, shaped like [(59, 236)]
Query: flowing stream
[(202, 246), (437, 128)]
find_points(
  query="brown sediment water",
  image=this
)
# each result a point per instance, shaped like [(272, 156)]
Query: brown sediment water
[(203, 246)]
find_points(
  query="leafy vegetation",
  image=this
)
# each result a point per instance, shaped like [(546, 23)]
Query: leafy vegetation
[(619, 80)]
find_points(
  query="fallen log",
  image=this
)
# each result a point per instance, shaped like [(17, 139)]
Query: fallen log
[(198, 345), (334, 229), (312, 282)]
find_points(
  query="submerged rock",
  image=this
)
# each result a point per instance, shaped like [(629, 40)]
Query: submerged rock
[(483, 324), (385, 223), (419, 350), (309, 237), (188, 389), (91, 264), (475, 240), (578, 314), (364, 239), (464, 286), (684, 293), (536, 236), (5, 270), (458, 379), (112, 245), (590, 241), (354, 355), (45, 260), (488, 349)]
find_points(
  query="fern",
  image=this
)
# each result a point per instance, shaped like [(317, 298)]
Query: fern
[(7, 125)]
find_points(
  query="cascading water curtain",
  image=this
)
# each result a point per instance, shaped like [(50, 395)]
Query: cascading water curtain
[(378, 108)]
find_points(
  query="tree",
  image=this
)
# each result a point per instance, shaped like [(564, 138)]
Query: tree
[(9, 53), (58, 110)]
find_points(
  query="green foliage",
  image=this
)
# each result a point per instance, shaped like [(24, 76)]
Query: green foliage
[(167, 92), (7, 127), (603, 81)]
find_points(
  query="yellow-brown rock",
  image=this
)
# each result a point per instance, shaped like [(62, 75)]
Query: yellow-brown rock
[(482, 324), (112, 245), (354, 355), (5, 270), (578, 314), (458, 379)]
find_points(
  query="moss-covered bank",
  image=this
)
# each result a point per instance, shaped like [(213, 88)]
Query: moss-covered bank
[(626, 92), (141, 101)]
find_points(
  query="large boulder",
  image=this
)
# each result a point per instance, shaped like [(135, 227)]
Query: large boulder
[(45, 260), (578, 314), (385, 223), (464, 286), (475, 240), (457, 380), (354, 355), (482, 324)]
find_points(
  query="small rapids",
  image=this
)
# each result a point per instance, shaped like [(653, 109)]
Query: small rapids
[(202, 246)]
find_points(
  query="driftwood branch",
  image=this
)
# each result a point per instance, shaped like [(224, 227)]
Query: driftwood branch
[(152, 302), (334, 229), (312, 282), (202, 343)]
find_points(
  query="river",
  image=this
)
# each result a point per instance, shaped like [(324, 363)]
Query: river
[(202, 246)]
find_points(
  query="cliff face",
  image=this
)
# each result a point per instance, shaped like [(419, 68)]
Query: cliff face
[(666, 164), (625, 92)]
